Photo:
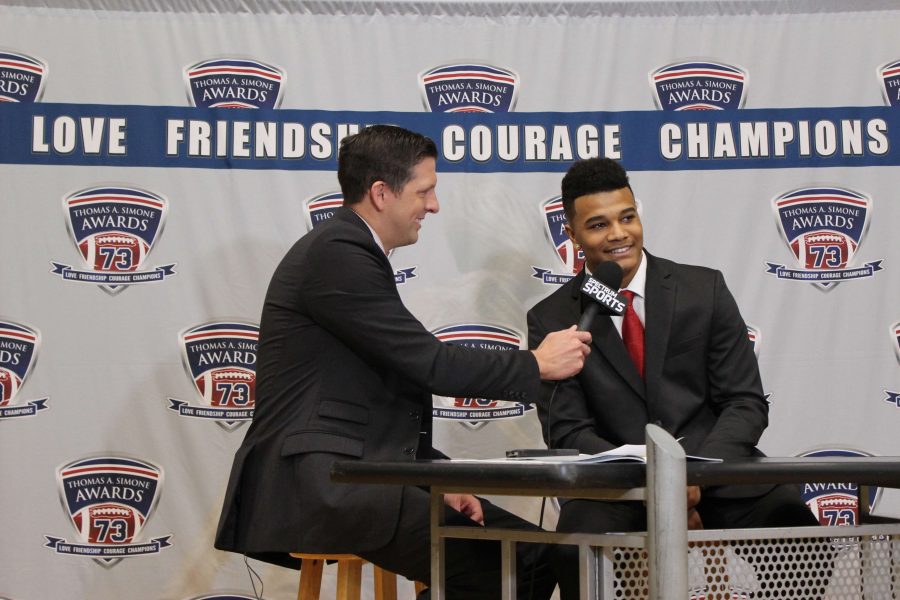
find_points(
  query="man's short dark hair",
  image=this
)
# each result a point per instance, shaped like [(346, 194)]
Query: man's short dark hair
[(591, 176), (380, 153)]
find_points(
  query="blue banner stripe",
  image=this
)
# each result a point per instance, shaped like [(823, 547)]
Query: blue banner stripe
[(186, 137)]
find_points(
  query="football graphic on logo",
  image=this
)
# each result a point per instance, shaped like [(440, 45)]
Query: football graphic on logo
[(9, 385), (836, 509), (823, 250), (231, 387), (108, 523), (113, 251)]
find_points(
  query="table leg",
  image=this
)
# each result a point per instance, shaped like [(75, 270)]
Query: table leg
[(666, 515), (508, 569), (437, 545), (587, 572)]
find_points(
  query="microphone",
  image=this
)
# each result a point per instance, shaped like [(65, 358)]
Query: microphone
[(602, 293)]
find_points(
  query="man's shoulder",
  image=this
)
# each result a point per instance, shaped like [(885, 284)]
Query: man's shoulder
[(559, 297), (666, 267), (335, 229), (329, 247)]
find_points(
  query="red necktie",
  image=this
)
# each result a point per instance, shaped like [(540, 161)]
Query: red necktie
[(633, 333)]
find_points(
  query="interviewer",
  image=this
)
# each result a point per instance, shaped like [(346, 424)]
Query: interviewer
[(346, 372)]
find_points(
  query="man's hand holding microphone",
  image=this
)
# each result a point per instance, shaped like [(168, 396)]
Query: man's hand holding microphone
[(562, 353)]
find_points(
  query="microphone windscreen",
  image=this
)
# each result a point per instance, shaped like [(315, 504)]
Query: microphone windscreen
[(609, 273)]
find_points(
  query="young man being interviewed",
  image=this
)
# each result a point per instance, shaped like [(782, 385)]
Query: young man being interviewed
[(679, 357)]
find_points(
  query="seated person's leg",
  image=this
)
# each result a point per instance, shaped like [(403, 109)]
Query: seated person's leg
[(408, 553), (590, 516), (535, 578), (780, 507), (472, 567)]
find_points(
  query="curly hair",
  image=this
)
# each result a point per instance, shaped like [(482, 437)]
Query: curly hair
[(591, 176)]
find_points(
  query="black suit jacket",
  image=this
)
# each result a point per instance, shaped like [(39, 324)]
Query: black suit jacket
[(344, 372), (702, 378)]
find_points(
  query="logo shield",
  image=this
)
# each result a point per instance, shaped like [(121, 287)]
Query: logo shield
[(114, 228), (554, 219), (321, 208), (477, 412), (823, 226), (892, 396), (109, 500), (234, 83), (469, 87), (19, 346), (220, 358), (889, 75), (698, 85), (21, 77), (836, 503)]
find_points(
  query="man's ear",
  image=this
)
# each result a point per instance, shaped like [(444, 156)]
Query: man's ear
[(570, 233), (376, 194)]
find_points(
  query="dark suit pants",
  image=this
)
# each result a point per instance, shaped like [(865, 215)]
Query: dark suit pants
[(472, 567), (780, 507)]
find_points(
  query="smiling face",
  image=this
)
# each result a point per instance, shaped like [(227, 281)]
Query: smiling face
[(607, 227), (405, 210)]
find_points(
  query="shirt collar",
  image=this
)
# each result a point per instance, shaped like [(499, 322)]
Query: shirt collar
[(638, 283)]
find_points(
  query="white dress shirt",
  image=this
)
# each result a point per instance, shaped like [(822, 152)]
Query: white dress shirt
[(637, 285)]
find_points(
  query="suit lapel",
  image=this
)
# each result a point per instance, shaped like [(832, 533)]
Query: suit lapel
[(659, 306), (608, 342)]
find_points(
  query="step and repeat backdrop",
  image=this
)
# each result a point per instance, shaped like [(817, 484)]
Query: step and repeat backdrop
[(157, 159)]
